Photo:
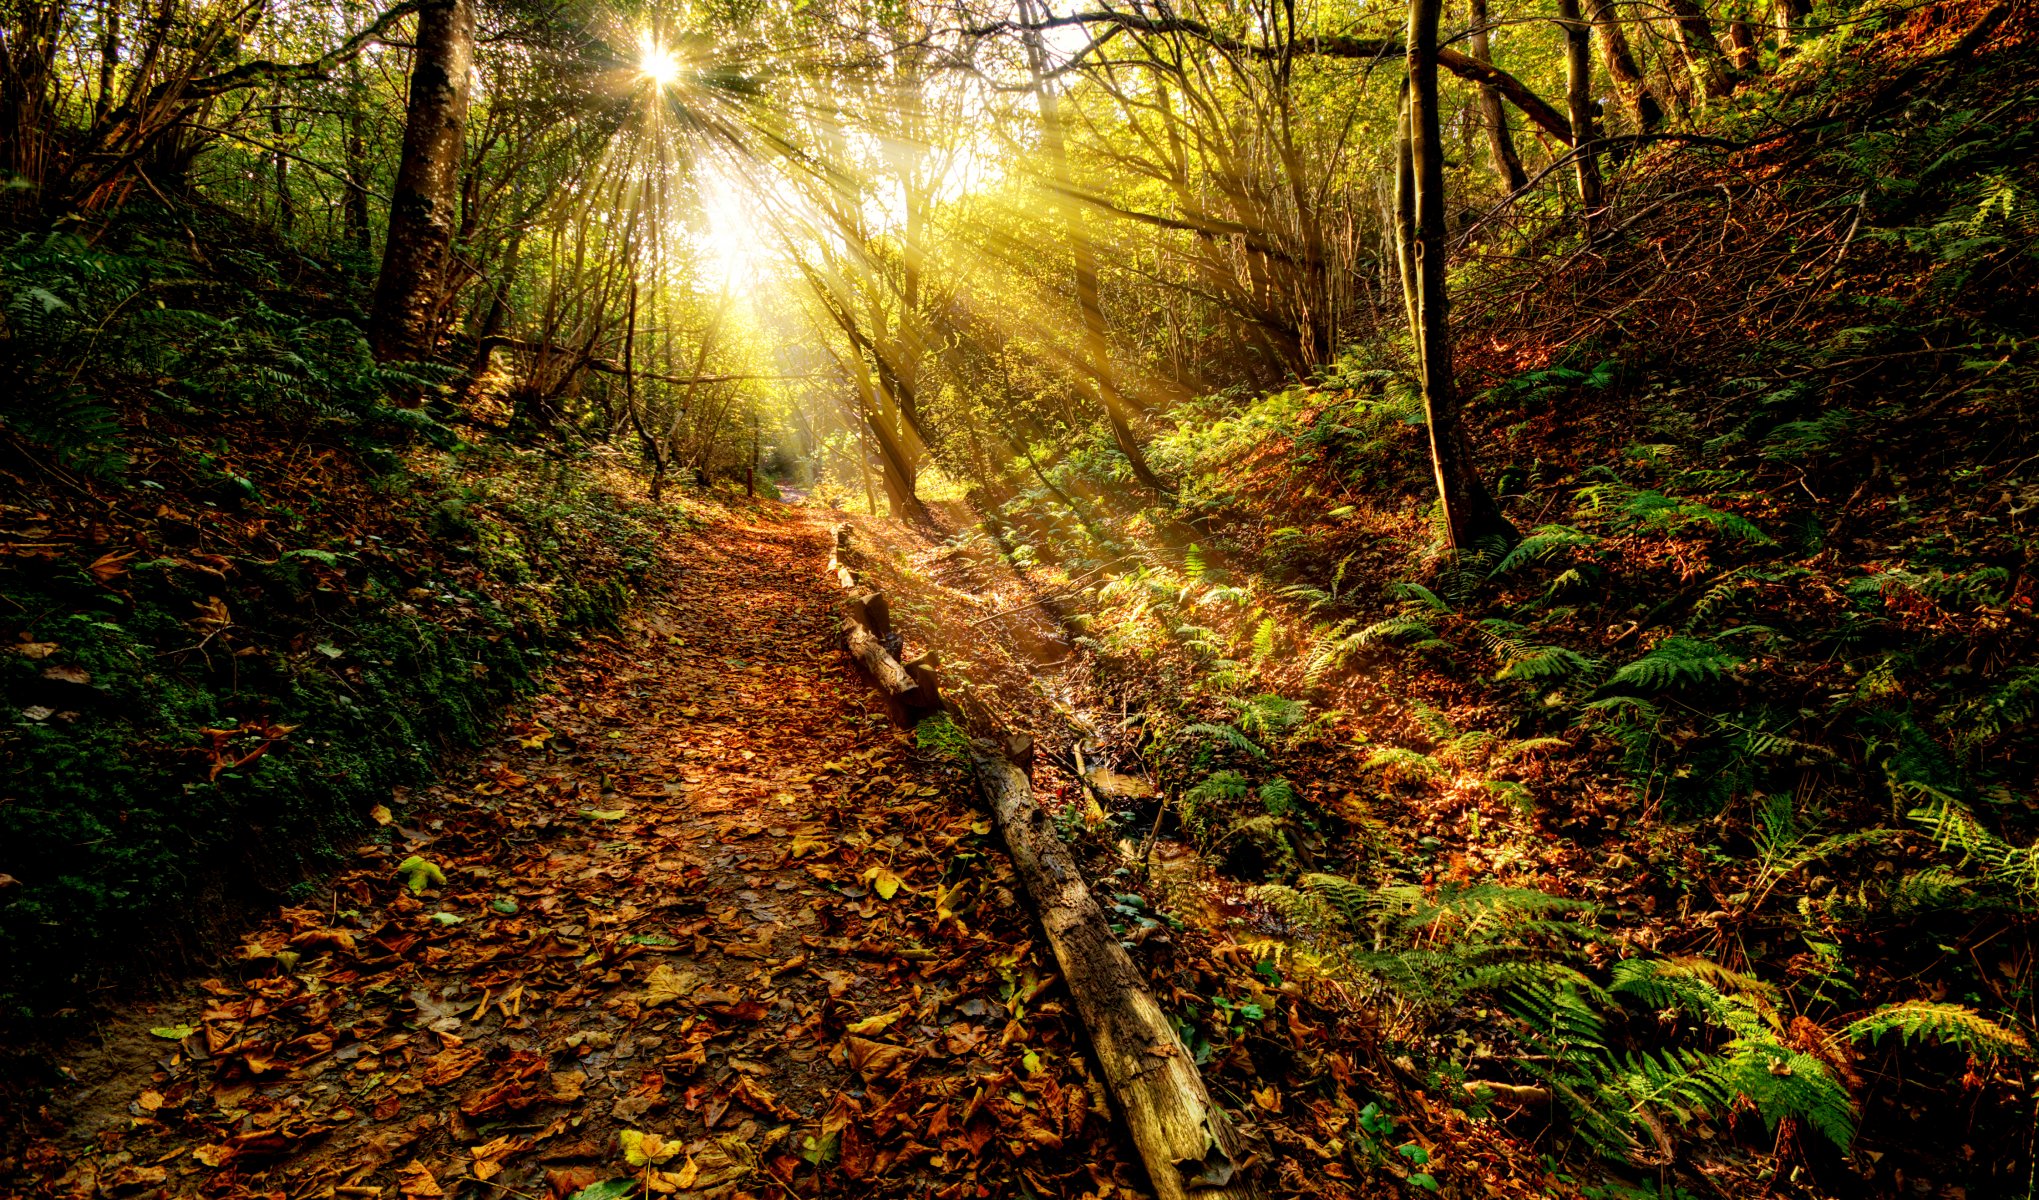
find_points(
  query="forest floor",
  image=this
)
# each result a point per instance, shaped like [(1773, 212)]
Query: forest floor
[(704, 920)]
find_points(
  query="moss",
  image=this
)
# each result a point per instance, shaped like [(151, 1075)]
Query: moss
[(941, 738)]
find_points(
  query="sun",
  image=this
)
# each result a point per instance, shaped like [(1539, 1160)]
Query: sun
[(658, 64)]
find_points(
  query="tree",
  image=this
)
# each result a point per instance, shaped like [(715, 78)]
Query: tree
[(1097, 348), (1579, 103), (1500, 144), (1470, 515), (425, 207)]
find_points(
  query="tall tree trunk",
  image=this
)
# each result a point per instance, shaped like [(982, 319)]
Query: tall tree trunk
[(1711, 75), (286, 212), (354, 209), (1405, 226), (1741, 40), (1470, 515), (1500, 144), (1784, 14), (109, 61), (1579, 103), (354, 215), (424, 209), (1635, 93), (1096, 346)]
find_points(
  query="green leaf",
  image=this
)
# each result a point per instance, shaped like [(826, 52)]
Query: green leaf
[(447, 918), (822, 1152), (504, 905), (417, 872), (1419, 1179), (175, 1033), (608, 1189)]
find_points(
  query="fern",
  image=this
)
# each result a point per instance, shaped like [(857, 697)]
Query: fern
[(1914, 1020), (2007, 706), (1545, 542), (1227, 735), (1269, 716), (1954, 827), (1676, 661), (1527, 661), (1263, 639), (1280, 797)]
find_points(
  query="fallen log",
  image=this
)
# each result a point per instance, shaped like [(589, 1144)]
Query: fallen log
[(884, 670), (1187, 1142)]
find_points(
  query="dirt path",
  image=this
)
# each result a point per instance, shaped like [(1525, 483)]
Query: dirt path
[(702, 890)]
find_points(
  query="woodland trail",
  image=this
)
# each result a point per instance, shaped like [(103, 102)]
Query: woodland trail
[(692, 894)]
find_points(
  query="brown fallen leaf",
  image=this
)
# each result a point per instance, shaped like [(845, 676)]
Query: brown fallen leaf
[(665, 985), (449, 1065), (416, 1181), (877, 1060)]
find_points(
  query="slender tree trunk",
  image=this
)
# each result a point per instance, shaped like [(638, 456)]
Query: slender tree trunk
[(1500, 144), (1097, 347), (109, 61), (1579, 103), (1470, 515), (286, 212), (1405, 226), (354, 149), (424, 209), (1635, 93), (1711, 75)]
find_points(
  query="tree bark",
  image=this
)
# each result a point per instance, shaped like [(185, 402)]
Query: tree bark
[(1405, 227), (1500, 144), (1470, 514), (354, 208), (424, 209), (1579, 102), (286, 212), (1711, 74), (1097, 347), (1185, 1139), (1635, 92)]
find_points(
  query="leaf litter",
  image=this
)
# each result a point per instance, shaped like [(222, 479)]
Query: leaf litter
[(696, 927)]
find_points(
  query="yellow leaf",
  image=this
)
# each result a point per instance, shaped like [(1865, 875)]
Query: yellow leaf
[(1268, 1098), (684, 1177), (949, 900), (805, 844), (380, 814), (878, 1023), (536, 740), (665, 985), (646, 1149), (884, 882)]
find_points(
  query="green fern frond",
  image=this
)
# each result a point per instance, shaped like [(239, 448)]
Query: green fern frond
[(1545, 542), (1226, 734), (1398, 764), (1913, 1020), (1674, 662)]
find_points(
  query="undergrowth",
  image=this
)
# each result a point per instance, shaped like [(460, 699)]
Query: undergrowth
[(1695, 831), (244, 593)]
